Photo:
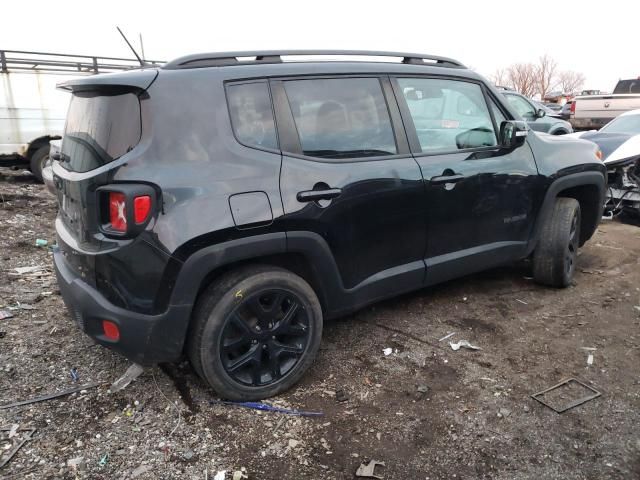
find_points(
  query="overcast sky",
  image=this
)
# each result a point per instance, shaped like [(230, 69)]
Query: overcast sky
[(598, 39)]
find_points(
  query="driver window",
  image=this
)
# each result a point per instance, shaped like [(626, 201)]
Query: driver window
[(251, 114), (520, 105), (448, 115)]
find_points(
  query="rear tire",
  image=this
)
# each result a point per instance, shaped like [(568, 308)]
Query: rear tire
[(38, 160), (255, 332), (554, 259)]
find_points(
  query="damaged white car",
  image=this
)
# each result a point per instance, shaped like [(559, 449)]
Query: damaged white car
[(619, 141)]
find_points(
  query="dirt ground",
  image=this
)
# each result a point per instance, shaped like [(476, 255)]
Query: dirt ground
[(425, 410)]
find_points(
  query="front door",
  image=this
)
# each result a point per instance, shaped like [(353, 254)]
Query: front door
[(348, 177), (479, 196)]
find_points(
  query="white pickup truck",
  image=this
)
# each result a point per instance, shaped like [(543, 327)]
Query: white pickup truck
[(594, 111)]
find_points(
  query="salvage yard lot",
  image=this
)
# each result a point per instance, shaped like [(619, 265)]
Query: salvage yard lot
[(425, 410)]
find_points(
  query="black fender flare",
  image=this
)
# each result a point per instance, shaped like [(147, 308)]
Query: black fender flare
[(594, 178), (198, 265)]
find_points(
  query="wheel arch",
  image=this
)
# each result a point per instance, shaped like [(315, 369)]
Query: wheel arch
[(299, 252), (588, 188), (35, 144)]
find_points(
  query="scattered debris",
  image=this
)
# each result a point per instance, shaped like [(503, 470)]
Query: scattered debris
[(5, 314), (447, 336), (40, 242), (75, 376), (293, 443), (590, 359), (76, 463), (594, 394), (387, 351), (5, 438), (220, 475), (50, 396), (422, 389), (463, 343), (141, 470), (368, 469), (521, 301), (267, 408), (239, 474), (341, 396), (504, 412), (133, 372), (103, 461), (25, 270), (590, 349), (637, 307)]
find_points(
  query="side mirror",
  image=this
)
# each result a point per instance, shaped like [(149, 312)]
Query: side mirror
[(540, 113), (513, 133)]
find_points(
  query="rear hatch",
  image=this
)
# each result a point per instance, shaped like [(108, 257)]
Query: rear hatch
[(103, 126)]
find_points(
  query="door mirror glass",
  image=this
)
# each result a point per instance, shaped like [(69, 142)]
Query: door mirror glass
[(540, 113), (513, 133)]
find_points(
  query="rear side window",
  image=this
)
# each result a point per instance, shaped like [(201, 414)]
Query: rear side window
[(448, 115), (99, 129), (252, 115), (341, 118)]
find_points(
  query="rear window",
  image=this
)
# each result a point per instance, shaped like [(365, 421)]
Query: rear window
[(99, 129), (627, 86)]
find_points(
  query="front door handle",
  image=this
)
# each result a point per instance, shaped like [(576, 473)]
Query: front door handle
[(446, 179), (315, 195)]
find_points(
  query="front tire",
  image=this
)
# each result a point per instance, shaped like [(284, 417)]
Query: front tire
[(255, 332), (554, 259)]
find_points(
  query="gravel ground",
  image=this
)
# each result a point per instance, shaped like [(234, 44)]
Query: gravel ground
[(427, 411)]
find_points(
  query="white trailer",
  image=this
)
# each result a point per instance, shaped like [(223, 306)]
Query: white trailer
[(32, 111)]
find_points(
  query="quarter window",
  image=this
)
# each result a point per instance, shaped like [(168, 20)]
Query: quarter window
[(341, 118), (252, 115), (448, 115)]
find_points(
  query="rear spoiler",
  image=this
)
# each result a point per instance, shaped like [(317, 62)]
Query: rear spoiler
[(132, 81)]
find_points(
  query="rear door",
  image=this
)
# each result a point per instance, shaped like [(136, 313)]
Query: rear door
[(348, 177), (479, 197)]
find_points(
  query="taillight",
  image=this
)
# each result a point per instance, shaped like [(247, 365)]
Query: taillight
[(573, 107), (118, 211), (125, 209), (141, 208)]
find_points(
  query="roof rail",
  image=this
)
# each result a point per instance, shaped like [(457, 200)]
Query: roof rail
[(22, 61), (222, 59)]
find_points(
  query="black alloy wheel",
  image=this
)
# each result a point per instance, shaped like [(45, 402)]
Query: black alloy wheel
[(264, 337)]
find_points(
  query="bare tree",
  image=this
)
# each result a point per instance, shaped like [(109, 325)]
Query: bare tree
[(500, 77), (521, 76), (545, 75), (570, 81)]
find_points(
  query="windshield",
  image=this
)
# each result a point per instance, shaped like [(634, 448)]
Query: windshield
[(629, 124), (99, 129)]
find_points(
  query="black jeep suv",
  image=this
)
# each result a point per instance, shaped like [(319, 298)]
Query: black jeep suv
[(224, 205)]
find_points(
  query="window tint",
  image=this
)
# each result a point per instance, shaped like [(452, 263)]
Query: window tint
[(520, 105), (251, 114), (341, 118), (99, 129), (448, 115)]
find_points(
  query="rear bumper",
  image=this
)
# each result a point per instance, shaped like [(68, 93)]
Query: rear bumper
[(144, 339), (589, 123)]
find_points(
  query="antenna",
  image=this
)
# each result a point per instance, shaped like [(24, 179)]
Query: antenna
[(142, 64)]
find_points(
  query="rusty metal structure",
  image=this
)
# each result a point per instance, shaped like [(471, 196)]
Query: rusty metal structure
[(21, 61)]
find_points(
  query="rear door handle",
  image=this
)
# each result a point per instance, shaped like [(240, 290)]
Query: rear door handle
[(446, 179), (314, 195)]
